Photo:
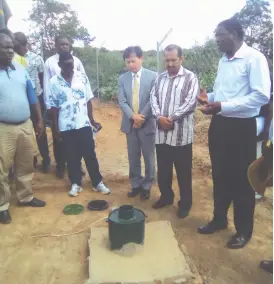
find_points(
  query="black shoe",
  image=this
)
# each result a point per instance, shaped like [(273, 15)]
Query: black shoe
[(145, 195), (211, 228), (46, 165), (267, 265), (5, 217), (60, 173), (134, 192), (33, 203), (162, 203), (182, 213), (237, 241)]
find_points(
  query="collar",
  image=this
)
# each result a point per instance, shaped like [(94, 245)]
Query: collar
[(27, 54), (240, 53), (75, 74), (10, 66), (139, 73), (180, 73)]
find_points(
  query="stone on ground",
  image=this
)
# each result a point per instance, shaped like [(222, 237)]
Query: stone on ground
[(159, 260)]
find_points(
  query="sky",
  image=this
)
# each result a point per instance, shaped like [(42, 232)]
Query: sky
[(119, 23)]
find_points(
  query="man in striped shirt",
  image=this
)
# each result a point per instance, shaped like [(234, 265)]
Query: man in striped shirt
[(173, 101)]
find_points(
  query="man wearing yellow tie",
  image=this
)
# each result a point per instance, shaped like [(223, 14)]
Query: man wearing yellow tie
[(138, 123)]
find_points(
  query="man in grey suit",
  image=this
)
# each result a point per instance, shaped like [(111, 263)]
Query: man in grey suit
[(138, 123)]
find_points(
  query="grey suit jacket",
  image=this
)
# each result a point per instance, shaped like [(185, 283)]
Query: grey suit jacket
[(125, 100)]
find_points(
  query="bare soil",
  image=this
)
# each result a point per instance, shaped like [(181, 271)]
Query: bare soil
[(63, 260)]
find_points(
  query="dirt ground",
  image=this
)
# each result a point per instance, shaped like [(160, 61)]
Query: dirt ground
[(63, 260)]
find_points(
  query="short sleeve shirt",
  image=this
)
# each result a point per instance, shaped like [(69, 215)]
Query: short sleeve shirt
[(34, 67), (14, 98), (71, 100)]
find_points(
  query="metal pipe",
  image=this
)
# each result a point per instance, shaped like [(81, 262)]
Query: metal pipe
[(158, 57), (97, 69), (158, 49)]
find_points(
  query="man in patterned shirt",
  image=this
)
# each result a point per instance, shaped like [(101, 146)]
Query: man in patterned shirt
[(70, 98), (52, 68), (173, 101), (35, 68)]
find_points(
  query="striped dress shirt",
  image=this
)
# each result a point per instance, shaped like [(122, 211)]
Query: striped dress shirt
[(176, 98)]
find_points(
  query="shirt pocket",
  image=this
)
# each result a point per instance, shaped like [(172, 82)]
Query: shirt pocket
[(234, 76)]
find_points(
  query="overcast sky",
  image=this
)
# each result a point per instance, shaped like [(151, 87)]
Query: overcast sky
[(120, 23)]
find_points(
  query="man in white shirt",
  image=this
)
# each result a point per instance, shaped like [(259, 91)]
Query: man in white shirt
[(70, 98), (51, 69), (241, 88)]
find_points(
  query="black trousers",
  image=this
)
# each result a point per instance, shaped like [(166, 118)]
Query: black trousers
[(232, 147), (42, 143), (59, 154), (181, 158), (79, 144)]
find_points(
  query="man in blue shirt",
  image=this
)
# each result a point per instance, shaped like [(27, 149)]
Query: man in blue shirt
[(18, 103), (241, 88)]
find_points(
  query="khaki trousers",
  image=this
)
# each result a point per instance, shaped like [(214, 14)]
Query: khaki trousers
[(16, 149)]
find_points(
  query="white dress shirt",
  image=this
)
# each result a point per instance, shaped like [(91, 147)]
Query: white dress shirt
[(52, 68), (242, 84)]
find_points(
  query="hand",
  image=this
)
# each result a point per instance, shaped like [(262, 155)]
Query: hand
[(96, 125), (138, 120), (56, 134), (39, 129), (165, 123), (211, 108), (203, 98)]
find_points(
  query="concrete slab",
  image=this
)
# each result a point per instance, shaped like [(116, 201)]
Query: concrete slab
[(160, 260)]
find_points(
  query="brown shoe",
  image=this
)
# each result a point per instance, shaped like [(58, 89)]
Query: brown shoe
[(162, 203)]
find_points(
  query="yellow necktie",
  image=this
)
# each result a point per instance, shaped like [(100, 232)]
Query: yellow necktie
[(135, 94)]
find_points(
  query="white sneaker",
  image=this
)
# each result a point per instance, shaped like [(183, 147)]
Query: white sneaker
[(75, 189), (101, 188), (258, 196)]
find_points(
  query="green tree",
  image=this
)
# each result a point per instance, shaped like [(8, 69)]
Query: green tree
[(50, 18), (256, 20), (203, 61)]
